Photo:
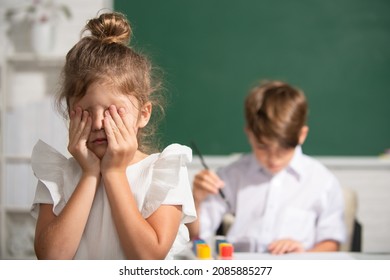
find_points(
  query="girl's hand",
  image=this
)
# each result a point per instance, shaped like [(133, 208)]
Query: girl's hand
[(79, 130), (122, 140), (284, 246)]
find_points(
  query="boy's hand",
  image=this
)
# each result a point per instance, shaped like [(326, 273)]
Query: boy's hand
[(79, 130), (206, 182), (122, 140), (284, 246)]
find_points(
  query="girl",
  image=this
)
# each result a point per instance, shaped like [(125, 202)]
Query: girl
[(111, 200)]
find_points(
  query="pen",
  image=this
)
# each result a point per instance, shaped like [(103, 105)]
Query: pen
[(207, 168)]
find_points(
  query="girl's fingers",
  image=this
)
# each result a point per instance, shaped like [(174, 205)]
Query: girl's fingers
[(112, 131), (129, 126), (87, 129), (77, 124), (74, 121), (71, 120), (118, 121)]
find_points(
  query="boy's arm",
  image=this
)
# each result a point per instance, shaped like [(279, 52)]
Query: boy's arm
[(205, 183), (284, 246), (331, 224), (325, 246)]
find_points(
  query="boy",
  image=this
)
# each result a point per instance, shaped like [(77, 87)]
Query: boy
[(283, 201)]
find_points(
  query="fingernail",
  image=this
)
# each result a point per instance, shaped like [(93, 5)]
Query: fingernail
[(121, 110)]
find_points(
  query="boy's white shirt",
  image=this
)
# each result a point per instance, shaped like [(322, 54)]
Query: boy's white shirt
[(303, 202)]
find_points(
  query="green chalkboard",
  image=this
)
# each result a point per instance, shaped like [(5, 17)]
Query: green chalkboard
[(212, 52)]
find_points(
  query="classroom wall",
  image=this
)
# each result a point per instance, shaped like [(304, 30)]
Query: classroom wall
[(212, 52)]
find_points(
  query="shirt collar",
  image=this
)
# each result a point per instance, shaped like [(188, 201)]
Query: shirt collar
[(295, 166), (256, 166)]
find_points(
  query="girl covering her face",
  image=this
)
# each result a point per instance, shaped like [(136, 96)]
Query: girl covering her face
[(112, 199)]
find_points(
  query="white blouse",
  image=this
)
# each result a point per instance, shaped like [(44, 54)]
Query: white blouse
[(158, 179)]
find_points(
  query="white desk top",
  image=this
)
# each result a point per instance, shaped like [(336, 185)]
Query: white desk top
[(188, 255), (314, 256)]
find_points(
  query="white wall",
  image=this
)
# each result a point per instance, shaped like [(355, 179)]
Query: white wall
[(41, 83), (68, 31)]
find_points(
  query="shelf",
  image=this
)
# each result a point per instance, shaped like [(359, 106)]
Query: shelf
[(51, 60), (17, 209), (37, 75), (17, 159)]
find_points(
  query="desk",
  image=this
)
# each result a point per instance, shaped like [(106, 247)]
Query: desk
[(314, 256), (189, 255)]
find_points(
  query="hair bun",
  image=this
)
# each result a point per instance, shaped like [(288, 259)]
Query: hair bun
[(110, 28)]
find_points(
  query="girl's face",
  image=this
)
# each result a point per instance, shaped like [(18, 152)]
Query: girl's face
[(96, 101)]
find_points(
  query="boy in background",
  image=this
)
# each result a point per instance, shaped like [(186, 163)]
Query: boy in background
[(283, 200)]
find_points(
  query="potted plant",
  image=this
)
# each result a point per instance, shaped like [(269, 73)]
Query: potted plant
[(41, 16)]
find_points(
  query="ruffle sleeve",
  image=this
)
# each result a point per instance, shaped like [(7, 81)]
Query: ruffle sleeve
[(48, 165), (170, 183)]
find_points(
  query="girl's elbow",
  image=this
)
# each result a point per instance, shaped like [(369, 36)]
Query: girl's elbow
[(154, 253), (48, 253)]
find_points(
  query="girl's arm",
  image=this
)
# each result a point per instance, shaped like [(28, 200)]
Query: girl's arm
[(194, 227), (140, 239), (58, 237)]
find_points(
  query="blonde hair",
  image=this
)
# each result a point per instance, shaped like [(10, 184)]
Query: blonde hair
[(103, 55), (276, 111)]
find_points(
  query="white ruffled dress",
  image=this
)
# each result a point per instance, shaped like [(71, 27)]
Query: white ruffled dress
[(158, 179)]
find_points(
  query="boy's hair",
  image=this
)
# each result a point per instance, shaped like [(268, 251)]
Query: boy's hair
[(276, 112), (103, 55)]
